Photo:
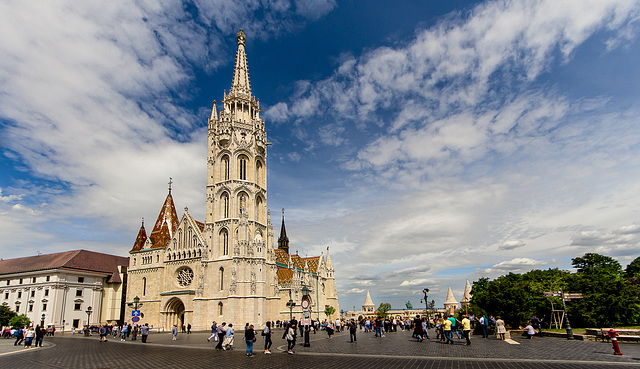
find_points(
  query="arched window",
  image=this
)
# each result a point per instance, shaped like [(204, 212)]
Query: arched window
[(242, 202), (225, 167), (242, 167), (220, 308), (221, 280), (224, 241), (259, 209), (259, 173), (225, 205), (144, 286)]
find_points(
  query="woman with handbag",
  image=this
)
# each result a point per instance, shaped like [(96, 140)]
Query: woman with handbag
[(250, 338), (267, 338)]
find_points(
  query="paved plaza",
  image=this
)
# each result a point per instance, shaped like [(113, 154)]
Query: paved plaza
[(396, 350)]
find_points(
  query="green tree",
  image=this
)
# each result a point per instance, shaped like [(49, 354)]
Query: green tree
[(19, 321), (597, 264), (329, 311), (5, 315), (633, 269), (382, 309)]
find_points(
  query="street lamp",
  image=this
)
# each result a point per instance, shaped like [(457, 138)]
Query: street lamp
[(290, 305), (306, 300), (89, 311), (426, 302)]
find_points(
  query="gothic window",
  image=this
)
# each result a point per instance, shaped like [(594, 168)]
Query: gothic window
[(259, 173), (242, 167), (224, 241), (220, 308), (225, 167), (185, 276), (243, 202), (259, 209), (225, 205), (144, 286), (221, 280)]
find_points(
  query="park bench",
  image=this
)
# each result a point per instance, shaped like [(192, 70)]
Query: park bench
[(623, 334)]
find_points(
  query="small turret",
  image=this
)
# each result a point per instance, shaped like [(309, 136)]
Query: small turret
[(283, 241)]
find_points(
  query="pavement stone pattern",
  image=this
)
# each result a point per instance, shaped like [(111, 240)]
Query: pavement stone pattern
[(395, 350)]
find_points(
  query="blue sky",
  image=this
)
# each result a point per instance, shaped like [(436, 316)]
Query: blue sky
[(423, 142)]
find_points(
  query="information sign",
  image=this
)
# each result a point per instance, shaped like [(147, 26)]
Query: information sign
[(135, 313), (135, 319)]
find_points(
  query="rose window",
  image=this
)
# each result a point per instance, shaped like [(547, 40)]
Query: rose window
[(185, 276)]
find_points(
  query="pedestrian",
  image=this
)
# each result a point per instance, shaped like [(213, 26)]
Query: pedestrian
[(266, 333), (136, 329), (447, 331), (353, 327), (29, 336), (466, 329), (228, 338), (189, 328), (144, 332), (40, 333), (174, 332), (103, 333), (250, 338), (19, 335), (536, 323), (291, 333), (124, 332), (214, 332), (484, 325), (501, 330), (528, 330), (221, 332), (330, 330)]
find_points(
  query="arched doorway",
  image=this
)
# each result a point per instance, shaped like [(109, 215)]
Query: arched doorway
[(174, 313)]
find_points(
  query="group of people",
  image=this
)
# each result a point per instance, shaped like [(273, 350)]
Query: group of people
[(26, 336)]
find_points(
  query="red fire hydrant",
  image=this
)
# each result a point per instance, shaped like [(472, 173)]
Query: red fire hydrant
[(616, 348)]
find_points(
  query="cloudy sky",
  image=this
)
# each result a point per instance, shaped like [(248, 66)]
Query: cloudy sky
[(423, 142)]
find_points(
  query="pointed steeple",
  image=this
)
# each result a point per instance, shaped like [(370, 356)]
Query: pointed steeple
[(240, 82), (368, 303), (214, 111), (466, 297), (329, 264), (140, 239), (163, 237), (450, 299), (283, 241), (167, 215)]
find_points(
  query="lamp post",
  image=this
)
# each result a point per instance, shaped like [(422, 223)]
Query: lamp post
[(42, 321), (426, 301), (89, 311), (306, 301), (136, 305), (290, 305)]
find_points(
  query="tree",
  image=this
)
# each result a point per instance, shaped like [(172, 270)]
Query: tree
[(382, 309), (592, 263), (19, 321), (5, 315), (633, 269), (329, 311)]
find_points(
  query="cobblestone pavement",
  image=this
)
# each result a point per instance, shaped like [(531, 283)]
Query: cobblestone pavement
[(396, 350)]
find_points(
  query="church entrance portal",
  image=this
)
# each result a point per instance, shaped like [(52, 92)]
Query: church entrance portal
[(174, 313)]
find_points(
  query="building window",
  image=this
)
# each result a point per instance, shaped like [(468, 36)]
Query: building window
[(48, 278), (19, 294), (242, 167), (220, 308), (6, 295), (225, 167), (224, 238), (8, 282), (225, 205), (78, 293), (33, 293), (20, 280), (76, 323), (33, 280), (221, 280), (77, 307), (80, 279), (144, 286), (44, 307), (17, 308), (30, 307), (46, 292), (243, 203)]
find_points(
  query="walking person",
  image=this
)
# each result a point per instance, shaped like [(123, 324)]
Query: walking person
[(214, 332), (102, 331), (484, 324), (228, 338), (447, 331), (267, 338), (144, 332), (466, 329), (291, 340), (250, 338), (501, 330), (40, 333), (29, 336), (19, 335), (221, 331), (174, 332), (353, 328), (125, 332)]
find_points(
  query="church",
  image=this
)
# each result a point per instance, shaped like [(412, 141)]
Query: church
[(227, 268)]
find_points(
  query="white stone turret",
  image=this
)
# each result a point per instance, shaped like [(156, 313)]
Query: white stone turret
[(451, 304), (368, 306)]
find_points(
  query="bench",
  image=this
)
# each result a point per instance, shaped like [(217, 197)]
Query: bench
[(623, 334)]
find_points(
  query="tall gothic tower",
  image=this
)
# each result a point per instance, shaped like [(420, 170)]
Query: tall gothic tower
[(236, 165)]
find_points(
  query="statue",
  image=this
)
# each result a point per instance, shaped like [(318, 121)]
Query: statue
[(408, 305)]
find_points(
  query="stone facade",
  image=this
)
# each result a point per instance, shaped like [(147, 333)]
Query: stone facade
[(226, 269)]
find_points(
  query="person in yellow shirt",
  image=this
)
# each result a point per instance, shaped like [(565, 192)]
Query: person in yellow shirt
[(466, 329), (447, 331)]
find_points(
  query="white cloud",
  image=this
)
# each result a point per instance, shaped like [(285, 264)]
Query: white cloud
[(516, 265)]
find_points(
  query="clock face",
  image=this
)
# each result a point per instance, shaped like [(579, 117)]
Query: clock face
[(305, 304)]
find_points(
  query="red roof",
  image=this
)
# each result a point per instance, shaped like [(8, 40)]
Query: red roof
[(285, 275), (140, 240), (297, 261), (281, 256), (81, 260), (167, 215), (162, 238), (313, 263)]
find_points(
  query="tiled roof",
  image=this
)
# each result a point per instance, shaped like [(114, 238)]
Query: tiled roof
[(200, 225), (284, 275), (282, 257), (162, 238), (167, 215), (313, 263), (297, 261), (140, 240), (81, 260)]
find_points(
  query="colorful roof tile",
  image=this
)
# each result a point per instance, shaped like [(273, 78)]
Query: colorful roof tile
[(281, 256), (313, 263), (167, 215), (284, 276), (140, 240), (162, 238)]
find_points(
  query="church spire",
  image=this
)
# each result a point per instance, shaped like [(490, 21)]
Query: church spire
[(167, 215), (240, 82), (283, 241)]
